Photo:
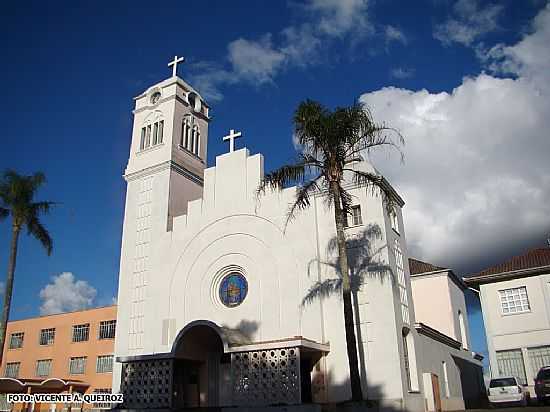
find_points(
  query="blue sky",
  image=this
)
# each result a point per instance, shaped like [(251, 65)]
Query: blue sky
[(465, 81)]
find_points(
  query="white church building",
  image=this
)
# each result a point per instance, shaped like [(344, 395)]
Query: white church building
[(212, 308)]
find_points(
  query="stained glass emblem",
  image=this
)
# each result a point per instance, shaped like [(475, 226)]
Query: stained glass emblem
[(233, 289)]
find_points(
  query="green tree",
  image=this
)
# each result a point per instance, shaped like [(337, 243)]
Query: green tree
[(17, 194), (331, 141)]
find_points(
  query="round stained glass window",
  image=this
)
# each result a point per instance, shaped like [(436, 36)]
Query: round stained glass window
[(233, 289)]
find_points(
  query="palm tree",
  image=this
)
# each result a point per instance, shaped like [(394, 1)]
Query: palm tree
[(17, 199), (331, 142)]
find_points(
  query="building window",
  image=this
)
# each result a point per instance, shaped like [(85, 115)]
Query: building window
[(107, 329), (409, 360), (538, 357), (147, 136), (406, 361), (393, 220), (47, 336), (401, 281), (77, 366), (104, 364), (355, 214), (445, 379), (12, 369), (462, 327), (43, 367), (510, 363), (190, 136), (142, 140), (514, 300), (81, 333), (102, 405), (16, 340), (161, 132), (151, 135)]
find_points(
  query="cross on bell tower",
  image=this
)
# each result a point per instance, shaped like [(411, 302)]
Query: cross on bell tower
[(174, 64)]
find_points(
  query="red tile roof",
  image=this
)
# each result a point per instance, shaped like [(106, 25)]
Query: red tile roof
[(417, 266), (533, 258)]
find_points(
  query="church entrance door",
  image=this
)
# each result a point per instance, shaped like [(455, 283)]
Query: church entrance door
[(196, 378)]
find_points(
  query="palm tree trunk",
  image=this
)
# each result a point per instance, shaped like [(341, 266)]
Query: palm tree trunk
[(9, 287), (351, 341)]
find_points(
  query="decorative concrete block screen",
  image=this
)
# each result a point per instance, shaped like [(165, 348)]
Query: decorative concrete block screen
[(147, 384), (267, 377)]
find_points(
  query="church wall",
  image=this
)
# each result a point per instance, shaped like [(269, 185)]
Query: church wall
[(125, 286), (411, 395), (376, 324), (253, 241), (182, 191), (387, 358)]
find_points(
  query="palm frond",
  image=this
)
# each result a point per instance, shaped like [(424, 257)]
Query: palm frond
[(36, 229), (282, 177), (365, 178), (4, 213), (42, 207), (37, 179), (346, 200), (376, 136), (301, 200)]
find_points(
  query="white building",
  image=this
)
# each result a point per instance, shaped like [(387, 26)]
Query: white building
[(212, 283), (515, 300)]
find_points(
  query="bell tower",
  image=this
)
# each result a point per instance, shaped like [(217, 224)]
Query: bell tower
[(169, 142), (164, 172)]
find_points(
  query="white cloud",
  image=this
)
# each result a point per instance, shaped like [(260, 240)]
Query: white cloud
[(65, 293), (469, 23), (255, 61), (476, 175), (529, 58), (259, 61), (338, 17), (402, 73), (394, 34)]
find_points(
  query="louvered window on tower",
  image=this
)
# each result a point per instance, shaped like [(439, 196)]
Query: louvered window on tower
[(152, 135), (190, 136)]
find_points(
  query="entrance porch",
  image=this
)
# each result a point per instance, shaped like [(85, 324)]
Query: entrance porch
[(214, 367)]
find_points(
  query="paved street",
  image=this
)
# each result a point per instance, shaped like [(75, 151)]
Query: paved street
[(515, 409)]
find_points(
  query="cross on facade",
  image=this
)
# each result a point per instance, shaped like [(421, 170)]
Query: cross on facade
[(231, 137), (174, 64)]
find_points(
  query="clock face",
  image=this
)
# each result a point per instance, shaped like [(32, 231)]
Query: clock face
[(155, 97)]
